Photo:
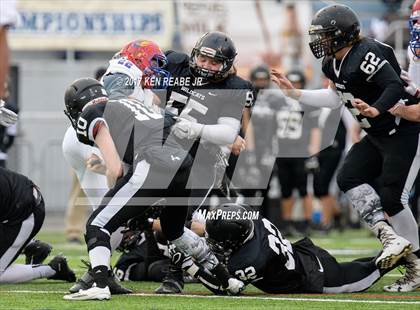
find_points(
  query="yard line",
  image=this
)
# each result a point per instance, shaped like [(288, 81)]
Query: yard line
[(244, 297)]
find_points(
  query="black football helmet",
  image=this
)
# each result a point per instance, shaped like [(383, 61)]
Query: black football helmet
[(218, 46), (333, 28), (80, 93), (227, 236)]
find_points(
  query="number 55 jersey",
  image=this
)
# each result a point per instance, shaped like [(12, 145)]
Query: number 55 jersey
[(370, 71)]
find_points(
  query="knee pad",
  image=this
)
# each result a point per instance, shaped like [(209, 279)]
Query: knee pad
[(157, 270), (96, 236)]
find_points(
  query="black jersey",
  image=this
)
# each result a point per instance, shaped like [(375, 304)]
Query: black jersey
[(370, 71), (267, 261), (16, 197), (137, 130)]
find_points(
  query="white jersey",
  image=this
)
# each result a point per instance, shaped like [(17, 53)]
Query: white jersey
[(413, 67), (75, 153), (8, 13)]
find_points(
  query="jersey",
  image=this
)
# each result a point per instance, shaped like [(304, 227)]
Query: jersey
[(16, 197), (136, 130), (414, 67), (203, 102), (370, 71), (267, 261)]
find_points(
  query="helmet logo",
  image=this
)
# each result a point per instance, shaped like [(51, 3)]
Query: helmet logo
[(333, 22), (207, 51)]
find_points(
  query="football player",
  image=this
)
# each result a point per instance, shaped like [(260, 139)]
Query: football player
[(411, 112), (21, 217), (257, 254), (207, 97), (364, 76)]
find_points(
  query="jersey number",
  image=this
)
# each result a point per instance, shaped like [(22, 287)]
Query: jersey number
[(370, 63), (81, 126), (289, 125), (277, 244), (248, 273), (348, 98)]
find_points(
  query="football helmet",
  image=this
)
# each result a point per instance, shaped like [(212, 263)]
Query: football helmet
[(414, 26), (80, 93), (226, 236), (296, 76), (333, 28), (147, 56), (215, 45)]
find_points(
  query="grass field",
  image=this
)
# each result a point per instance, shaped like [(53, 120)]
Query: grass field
[(46, 294)]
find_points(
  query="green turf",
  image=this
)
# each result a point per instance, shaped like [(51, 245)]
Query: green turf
[(48, 294)]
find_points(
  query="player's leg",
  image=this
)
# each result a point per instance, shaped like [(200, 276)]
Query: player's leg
[(399, 173), (361, 166), (301, 177), (16, 237), (285, 175)]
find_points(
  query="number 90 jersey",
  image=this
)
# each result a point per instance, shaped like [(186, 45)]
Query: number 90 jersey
[(370, 71), (269, 262)]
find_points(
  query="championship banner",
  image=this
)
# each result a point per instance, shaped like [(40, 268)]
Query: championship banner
[(90, 24)]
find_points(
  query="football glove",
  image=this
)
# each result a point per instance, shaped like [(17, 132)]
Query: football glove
[(7, 117), (411, 88), (185, 129), (235, 286)]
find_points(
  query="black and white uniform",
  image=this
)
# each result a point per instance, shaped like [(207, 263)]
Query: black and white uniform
[(208, 104), (138, 133), (22, 214), (370, 71), (294, 123), (276, 266)]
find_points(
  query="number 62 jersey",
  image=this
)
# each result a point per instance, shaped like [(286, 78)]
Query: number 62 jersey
[(274, 265), (370, 71)]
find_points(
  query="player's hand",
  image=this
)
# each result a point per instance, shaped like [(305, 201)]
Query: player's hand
[(364, 108), (238, 146), (7, 117), (235, 286), (411, 88), (185, 129), (95, 164), (284, 84), (397, 109)]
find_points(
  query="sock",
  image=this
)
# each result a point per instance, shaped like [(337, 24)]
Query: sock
[(116, 238), (18, 273), (100, 256), (405, 226), (100, 275), (367, 203)]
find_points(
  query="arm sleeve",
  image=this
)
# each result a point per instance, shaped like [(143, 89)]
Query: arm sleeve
[(393, 87), (223, 133), (321, 98)]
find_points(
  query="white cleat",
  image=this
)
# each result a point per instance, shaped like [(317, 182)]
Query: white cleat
[(93, 293), (411, 279), (394, 246)]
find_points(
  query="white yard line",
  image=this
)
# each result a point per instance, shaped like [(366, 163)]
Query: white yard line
[(243, 297)]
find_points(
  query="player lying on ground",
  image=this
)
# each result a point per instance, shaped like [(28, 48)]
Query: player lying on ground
[(256, 253), (365, 77), (21, 217)]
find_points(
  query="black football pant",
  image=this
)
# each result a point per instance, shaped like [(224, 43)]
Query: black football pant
[(394, 159), (292, 174), (16, 235)]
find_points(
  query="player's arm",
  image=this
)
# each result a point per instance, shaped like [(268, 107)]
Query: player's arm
[(408, 112), (106, 145), (320, 98)]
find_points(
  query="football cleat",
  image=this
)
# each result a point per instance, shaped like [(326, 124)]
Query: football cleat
[(36, 252), (62, 269), (411, 279), (394, 246), (173, 282), (86, 282), (93, 293)]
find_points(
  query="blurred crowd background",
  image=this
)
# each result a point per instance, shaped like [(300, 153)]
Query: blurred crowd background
[(54, 42)]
